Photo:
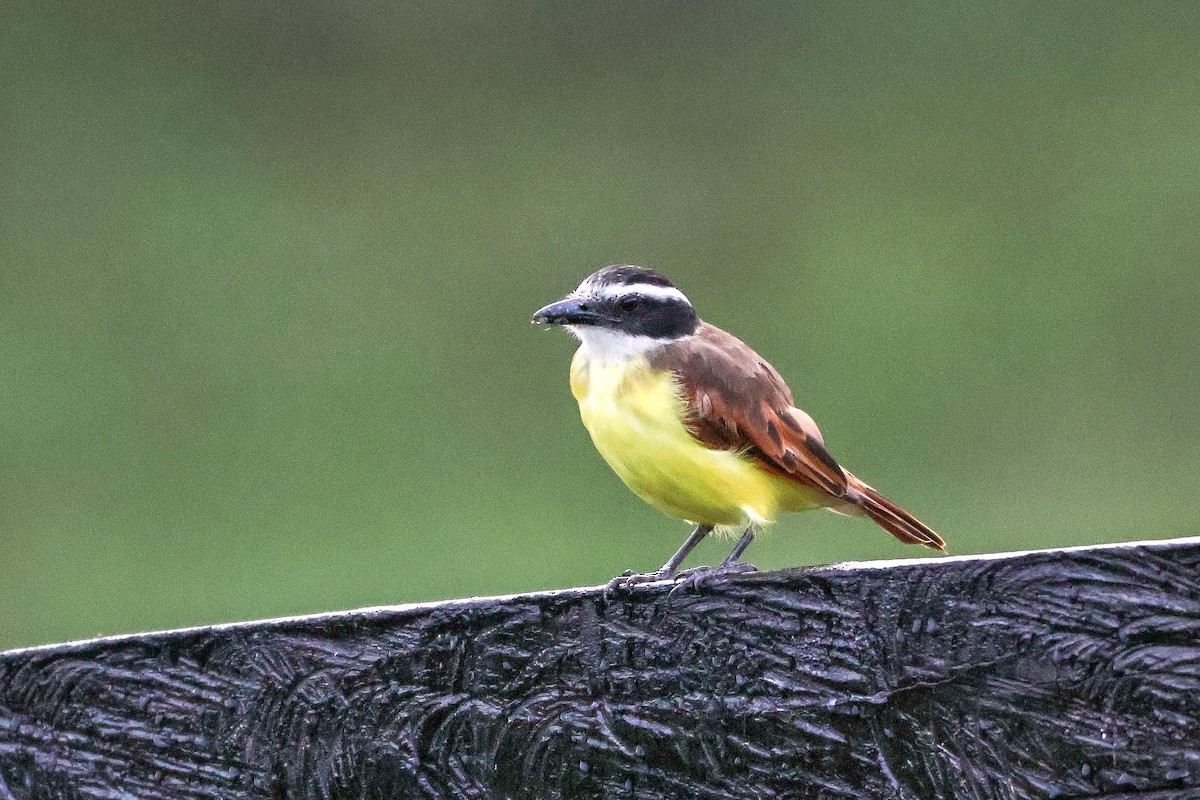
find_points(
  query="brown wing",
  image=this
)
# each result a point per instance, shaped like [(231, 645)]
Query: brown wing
[(737, 401)]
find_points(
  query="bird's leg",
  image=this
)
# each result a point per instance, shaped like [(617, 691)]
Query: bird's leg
[(731, 562), (672, 566), (695, 578), (668, 570)]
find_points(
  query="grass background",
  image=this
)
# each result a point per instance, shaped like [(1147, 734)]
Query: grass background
[(266, 274)]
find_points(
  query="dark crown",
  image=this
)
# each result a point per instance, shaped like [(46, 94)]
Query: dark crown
[(625, 274)]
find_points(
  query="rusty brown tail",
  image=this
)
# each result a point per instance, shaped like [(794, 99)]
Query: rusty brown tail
[(891, 517)]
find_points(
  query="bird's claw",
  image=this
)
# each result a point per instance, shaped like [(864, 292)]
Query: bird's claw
[(628, 579), (693, 579), (689, 580)]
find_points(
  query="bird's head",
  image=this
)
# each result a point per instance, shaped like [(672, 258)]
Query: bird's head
[(623, 309)]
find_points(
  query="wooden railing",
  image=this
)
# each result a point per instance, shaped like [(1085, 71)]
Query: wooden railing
[(1064, 674)]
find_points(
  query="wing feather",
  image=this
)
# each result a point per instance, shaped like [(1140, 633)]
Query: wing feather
[(737, 401)]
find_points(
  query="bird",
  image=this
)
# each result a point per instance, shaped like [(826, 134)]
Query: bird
[(699, 425)]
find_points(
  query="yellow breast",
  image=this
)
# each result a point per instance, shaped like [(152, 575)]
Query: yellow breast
[(635, 417)]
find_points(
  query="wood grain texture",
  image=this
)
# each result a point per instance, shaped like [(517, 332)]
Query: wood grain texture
[(1065, 674)]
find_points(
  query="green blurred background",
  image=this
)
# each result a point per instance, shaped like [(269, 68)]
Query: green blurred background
[(266, 273)]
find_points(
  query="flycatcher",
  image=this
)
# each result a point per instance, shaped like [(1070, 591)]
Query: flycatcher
[(696, 423)]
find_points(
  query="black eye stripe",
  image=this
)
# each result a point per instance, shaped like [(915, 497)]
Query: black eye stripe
[(657, 317), (646, 303)]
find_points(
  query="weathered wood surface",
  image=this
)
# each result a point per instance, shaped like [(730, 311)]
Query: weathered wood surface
[(1054, 674)]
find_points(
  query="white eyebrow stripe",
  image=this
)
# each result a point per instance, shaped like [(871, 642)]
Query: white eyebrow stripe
[(645, 290)]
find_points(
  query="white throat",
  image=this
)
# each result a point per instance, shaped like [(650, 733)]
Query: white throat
[(605, 344)]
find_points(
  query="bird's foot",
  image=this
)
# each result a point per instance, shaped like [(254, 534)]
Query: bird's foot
[(628, 579), (691, 580)]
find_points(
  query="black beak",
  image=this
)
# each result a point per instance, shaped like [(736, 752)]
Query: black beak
[(572, 311)]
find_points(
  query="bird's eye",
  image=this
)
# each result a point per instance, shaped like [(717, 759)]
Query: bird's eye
[(629, 303)]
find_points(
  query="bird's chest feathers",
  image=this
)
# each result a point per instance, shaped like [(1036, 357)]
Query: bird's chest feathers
[(626, 406), (635, 415)]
